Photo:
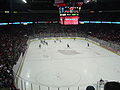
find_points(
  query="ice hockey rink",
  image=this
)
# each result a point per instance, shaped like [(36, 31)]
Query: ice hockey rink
[(57, 66)]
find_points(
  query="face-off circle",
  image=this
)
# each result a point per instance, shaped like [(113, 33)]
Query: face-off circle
[(57, 77)]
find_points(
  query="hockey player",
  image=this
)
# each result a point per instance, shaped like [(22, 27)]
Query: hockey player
[(60, 41), (39, 45), (74, 38), (41, 41), (68, 46), (101, 81), (88, 44), (46, 43)]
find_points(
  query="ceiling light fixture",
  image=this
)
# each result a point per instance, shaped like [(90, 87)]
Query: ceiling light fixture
[(24, 1)]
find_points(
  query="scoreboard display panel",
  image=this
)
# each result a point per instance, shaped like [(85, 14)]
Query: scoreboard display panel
[(69, 14), (69, 10), (69, 20)]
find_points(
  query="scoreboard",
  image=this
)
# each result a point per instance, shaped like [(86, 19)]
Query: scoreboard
[(69, 15), (69, 10)]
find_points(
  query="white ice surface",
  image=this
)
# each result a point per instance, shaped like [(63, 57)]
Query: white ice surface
[(56, 65)]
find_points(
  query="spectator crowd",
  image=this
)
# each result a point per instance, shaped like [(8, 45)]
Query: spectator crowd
[(12, 44)]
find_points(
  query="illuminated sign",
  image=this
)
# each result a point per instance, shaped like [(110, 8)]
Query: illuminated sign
[(69, 20)]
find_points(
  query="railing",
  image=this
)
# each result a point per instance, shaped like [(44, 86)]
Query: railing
[(23, 84)]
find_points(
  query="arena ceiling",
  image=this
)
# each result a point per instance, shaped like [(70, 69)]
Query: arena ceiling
[(18, 5)]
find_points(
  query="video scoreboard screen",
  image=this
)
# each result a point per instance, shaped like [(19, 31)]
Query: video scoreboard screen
[(69, 14), (69, 20), (69, 10)]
